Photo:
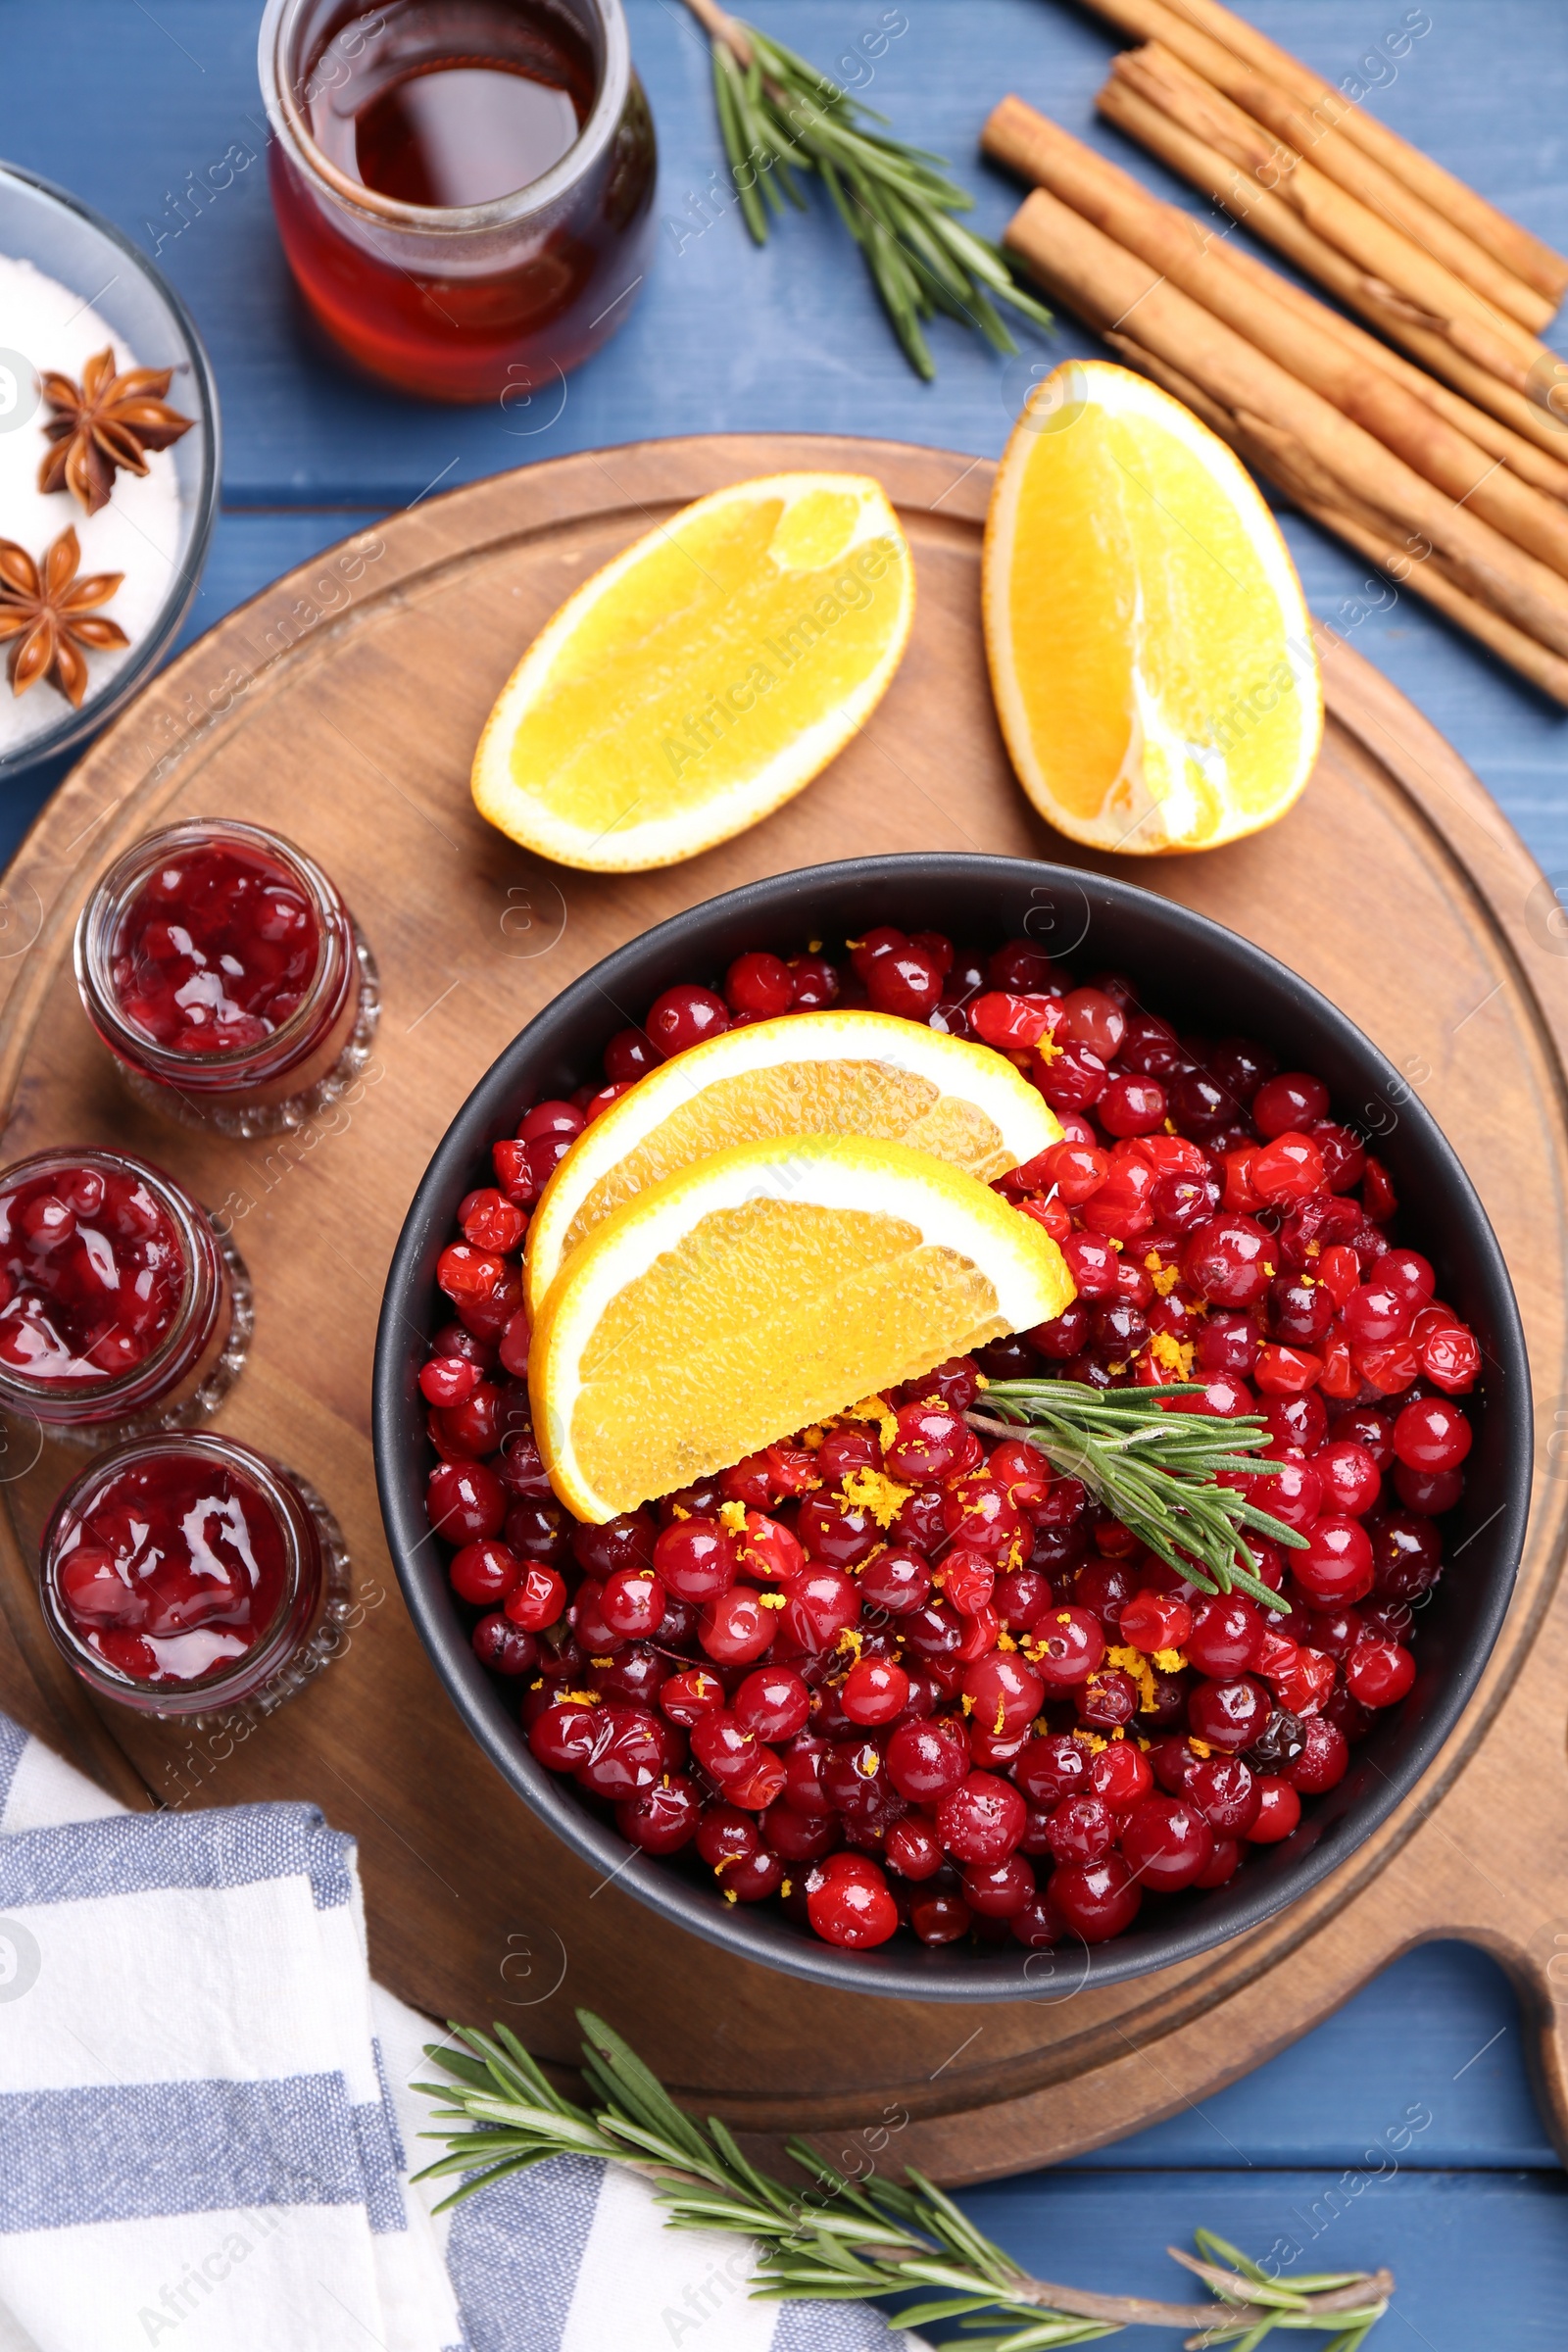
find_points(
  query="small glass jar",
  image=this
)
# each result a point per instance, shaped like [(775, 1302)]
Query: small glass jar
[(463, 188), (224, 974), (121, 1309), (191, 1576)]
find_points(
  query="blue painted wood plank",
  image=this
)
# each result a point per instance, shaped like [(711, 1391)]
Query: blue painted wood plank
[(1434, 2043), (1481, 2260)]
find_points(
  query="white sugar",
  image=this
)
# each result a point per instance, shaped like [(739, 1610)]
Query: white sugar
[(139, 533)]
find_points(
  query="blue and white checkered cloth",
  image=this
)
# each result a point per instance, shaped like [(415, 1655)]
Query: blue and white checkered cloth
[(204, 2113)]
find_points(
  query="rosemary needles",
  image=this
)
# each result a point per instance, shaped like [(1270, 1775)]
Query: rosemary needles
[(778, 117), (831, 2239)]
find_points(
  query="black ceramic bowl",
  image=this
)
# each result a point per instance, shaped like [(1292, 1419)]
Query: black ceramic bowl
[(1191, 972)]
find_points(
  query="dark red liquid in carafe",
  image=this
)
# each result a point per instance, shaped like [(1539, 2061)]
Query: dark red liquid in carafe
[(450, 104)]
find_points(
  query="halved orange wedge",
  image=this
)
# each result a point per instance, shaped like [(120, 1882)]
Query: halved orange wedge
[(809, 1073), (761, 1290), (703, 676), (1151, 648)]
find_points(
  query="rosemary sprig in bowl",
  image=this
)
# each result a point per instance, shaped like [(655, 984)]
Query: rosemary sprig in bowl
[(836, 2239), (1158, 1472), (778, 116)]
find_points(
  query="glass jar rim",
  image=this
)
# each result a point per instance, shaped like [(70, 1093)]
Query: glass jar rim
[(267, 1653), (106, 901), (287, 119), (197, 1240)]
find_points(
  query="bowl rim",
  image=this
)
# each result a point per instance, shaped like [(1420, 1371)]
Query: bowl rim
[(761, 1938), (97, 710)]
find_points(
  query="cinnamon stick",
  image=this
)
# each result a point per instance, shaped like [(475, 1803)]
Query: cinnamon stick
[(1476, 329), (1202, 265), (1107, 287), (1311, 135), (1269, 216), (1487, 432), (1521, 652), (1189, 22)]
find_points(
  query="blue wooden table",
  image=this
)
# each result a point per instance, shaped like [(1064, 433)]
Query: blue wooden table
[(1403, 2130)]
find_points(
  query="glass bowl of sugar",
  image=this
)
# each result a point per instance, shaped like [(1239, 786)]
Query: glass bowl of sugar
[(72, 286)]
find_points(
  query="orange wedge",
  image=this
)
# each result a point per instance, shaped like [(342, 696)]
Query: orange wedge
[(702, 678), (1149, 646), (809, 1073), (760, 1290)]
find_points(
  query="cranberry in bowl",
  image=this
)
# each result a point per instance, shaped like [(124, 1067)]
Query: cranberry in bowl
[(190, 1575), (226, 976), (1205, 1806), (121, 1310)]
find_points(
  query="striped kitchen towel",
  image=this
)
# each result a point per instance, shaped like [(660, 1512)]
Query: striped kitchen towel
[(206, 2129)]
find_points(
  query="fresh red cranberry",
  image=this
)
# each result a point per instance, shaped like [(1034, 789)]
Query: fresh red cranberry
[(1132, 1105), (908, 981), (660, 1819), (447, 1380), (1324, 1756), (1429, 1492), (894, 1579), (1293, 1101), (538, 1599), (1406, 1555), (506, 1648), (982, 1516), (1228, 1261), (838, 1534), (933, 1442), (683, 1016), (466, 1502), (566, 1733), (982, 1819), (1050, 1767), (760, 984), (1336, 1565), (1350, 1481), (1095, 1899), (999, 1889), (1300, 1311), (1081, 1829), (692, 1692), (1279, 1811), (1432, 1435), (484, 1573), (629, 1758), (1225, 1791), (1228, 1715), (1069, 1645), (851, 1906), (875, 1690), (1228, 1343), (927, 1760), (1166, 1841), (820, 1604), (815, 981), (1226, 1630), (736, 1629), (1073, 1079), (1378, 1674), (694, 1558)]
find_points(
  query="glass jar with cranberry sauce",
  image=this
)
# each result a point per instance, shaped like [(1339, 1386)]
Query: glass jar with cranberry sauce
[(120, 1310), (187, 1575), (224, 971), (463, 188)]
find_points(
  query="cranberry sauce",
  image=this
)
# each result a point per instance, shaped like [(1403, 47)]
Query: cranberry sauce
[(180, 1561), (93, 1272), (902, 1678), (215, 950)]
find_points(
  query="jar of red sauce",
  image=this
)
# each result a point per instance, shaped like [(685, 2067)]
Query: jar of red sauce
[(221, 968), (121, 1310), (188, 1575)]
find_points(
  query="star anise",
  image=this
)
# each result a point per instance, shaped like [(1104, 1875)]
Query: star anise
[(105, 422), (48, 615)]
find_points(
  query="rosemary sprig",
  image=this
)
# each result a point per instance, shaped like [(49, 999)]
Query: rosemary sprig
[(1158, 1471), (778, 115), (841, 2239)]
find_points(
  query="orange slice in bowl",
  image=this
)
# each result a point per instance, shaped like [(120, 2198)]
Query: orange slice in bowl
[(1149, 646), (760, 1290), (807, 1073), (702, 678)]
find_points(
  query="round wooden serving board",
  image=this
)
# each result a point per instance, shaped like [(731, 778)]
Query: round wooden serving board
[(342, 706)]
